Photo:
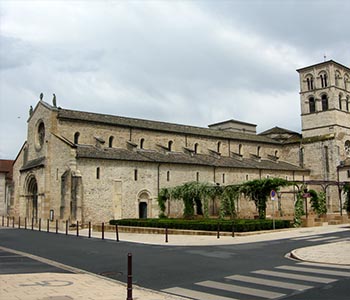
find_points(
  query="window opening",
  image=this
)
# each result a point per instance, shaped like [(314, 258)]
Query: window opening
[(142, 142), (170, 145), (76, 138), (98, 173), (135, 174), (312, 106), (110, 142), (324, 102)]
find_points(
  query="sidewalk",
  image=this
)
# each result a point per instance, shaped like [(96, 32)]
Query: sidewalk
[(84, 285)]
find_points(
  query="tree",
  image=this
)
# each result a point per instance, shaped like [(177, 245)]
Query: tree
[(259, 190)]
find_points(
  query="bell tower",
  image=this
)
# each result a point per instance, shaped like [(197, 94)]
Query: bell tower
[(325, 99)]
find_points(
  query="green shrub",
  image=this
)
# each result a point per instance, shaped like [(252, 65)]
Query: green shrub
[(205, 224)]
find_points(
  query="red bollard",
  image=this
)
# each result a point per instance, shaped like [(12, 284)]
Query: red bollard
[(77, 228), (39, 224), (129, 287), (56, 226), (166, 233), (89, 229), (48, 225), (218, 233), (66, 227), (103, 231)]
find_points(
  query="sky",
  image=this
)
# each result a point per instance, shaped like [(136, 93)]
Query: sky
[(188, 62)]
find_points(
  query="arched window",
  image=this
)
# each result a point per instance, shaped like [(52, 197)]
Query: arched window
[(76, 138), (170, 145), (324, 102), (110, 142), (98, 173), (346, 81), (347, 103), (196, 148), (340, 105), (324, 80), (142, 142), (240, 149), (310, 82), (312, 105), (276, 153), (258, 151), (301, 157), (218, 147), (168, 176), (337, 77)]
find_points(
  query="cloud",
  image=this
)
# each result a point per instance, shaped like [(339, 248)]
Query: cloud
[(190, 62)]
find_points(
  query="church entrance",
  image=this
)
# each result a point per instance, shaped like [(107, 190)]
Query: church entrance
[(32, 199), (143, 210)]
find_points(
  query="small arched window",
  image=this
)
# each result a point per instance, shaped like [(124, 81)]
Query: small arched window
[(142, 143), (324, 102), (276, 153), (196, 148), (312, 105), (98, 173), (258, 151), (170, 145), (340, 105), (346, 81), (337, 77), (240, 149), (197, 176), (218, 147), (168, 176), (310, 83), (324, 80), (347, 103), (76, 138), (110, 141)]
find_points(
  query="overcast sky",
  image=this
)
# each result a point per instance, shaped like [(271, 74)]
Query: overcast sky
[(189, 62)]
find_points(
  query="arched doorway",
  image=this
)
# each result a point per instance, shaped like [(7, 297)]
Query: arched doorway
[(32, 198), (143, 210), (144, 203)]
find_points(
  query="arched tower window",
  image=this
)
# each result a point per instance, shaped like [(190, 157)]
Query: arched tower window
[(196, 148), (276, 153), (142, 142), (337, 77), (324, 79), (76, 138), (170, 145), (340, 105), (258, 151), (240, 149), (347, 103), (346, 82), (324, 102), (310, 82), (110, 141), (312, 105), (218, 147)]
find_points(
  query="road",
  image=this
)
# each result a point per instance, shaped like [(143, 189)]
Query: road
[(243, 271)]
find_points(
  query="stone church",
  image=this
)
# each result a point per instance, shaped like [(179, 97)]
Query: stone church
[(94, 167)]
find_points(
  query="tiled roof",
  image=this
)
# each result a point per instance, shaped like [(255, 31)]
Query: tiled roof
[(6, 166), (85, 151), (73, 115)]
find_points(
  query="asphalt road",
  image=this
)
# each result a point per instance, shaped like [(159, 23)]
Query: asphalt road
[(178, 269)]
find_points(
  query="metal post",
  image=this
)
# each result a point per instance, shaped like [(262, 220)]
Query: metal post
[(8, 222), (66, 227), (39, 224), (25, 223), (3, 221), (77, 228), (233, 229), (32, 223), (166, 233), (116, 232), (129, 288), (48, 225), (103, 230), (89, 229), (13, 222), (56, 226), (218, 233), (273, 214), (19, 222)]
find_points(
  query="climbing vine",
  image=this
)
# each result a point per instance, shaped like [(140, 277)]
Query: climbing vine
[(346, 190), (298, 209), (318, 202)]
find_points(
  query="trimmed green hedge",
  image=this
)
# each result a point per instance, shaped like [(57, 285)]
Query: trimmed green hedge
[(205, 224)]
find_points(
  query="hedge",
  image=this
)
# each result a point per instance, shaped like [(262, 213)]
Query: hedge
[(240, 225)]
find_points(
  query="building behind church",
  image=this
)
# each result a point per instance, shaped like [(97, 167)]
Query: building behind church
[(94, 167)]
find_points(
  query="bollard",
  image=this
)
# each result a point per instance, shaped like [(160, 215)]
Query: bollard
[(166, 233), (39, 224), (56, 226), (103, 231), (77, 228), (89, 229), (66, 227), (32, 223), (13, 222), (8, 222), (116, 232), (25, 223), (19, 222), (233, 229), (48, 225), (3, 221), (129, 287), (218, 233)]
